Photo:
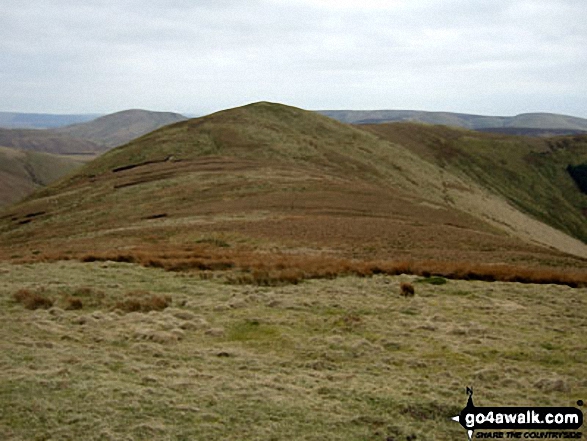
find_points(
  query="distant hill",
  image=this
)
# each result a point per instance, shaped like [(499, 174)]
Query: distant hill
[(120, 127), (47, 141), (280, 181), (523, 131), (22, 172), (11, 120), (542, 121)]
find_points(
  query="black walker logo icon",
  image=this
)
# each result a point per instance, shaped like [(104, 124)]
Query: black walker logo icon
[(521, 418)]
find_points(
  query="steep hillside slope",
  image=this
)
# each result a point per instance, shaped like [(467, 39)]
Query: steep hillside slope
[(48, 142), (542, 121), (120, 127), (530, 173), (22, 172)]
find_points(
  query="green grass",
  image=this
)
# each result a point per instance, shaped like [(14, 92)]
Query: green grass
[(432, 280), (340, 359), (530, 173)]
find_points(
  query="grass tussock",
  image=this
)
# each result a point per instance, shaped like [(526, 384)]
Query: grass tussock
[(143, 301), (73, 303), (33, 300)]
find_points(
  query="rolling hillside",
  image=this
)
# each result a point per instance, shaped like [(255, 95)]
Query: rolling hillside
[(23, 172), (121, 127), (268, 178), (13, 120), (48, 142), (534, 122)]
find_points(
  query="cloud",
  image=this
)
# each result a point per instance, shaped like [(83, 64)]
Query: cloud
[(475, 55)]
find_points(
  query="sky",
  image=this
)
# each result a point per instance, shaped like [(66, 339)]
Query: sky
[(490, 57)]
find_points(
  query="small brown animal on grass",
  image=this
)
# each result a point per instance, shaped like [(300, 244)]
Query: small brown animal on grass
[(407, 289)]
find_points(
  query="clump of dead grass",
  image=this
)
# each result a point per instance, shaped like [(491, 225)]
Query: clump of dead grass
[(143, 301), (73, 303), (82, 296), (33, 300)]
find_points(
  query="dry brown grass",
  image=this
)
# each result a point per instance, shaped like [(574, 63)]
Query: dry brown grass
[(143, 301), (33, 300), (325, 359), (73, 303), (262, 277), (273, 269)]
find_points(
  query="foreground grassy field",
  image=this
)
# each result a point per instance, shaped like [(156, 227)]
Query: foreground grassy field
[(341, 359)]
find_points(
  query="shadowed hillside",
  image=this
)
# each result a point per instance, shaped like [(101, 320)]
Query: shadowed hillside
[(268, 178), (121, 127), (47, 142), (22, 172)]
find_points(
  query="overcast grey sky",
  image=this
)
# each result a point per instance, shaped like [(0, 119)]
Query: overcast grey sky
[(474, 56)]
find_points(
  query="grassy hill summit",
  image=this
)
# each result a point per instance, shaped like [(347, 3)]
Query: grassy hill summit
[(121, 127), (267, 177)]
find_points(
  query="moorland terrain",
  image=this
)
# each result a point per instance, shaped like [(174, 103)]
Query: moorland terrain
[(82, 140), (240, 274)]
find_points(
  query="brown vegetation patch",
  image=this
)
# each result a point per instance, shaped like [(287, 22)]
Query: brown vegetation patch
[(273, 269), (33, 300), (143, 301), (73, 303)]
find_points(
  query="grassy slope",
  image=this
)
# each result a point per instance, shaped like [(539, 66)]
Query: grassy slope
[(343, 359), (46, 141), (22, 172), (530, 173), (274, 177), (121, 127)]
